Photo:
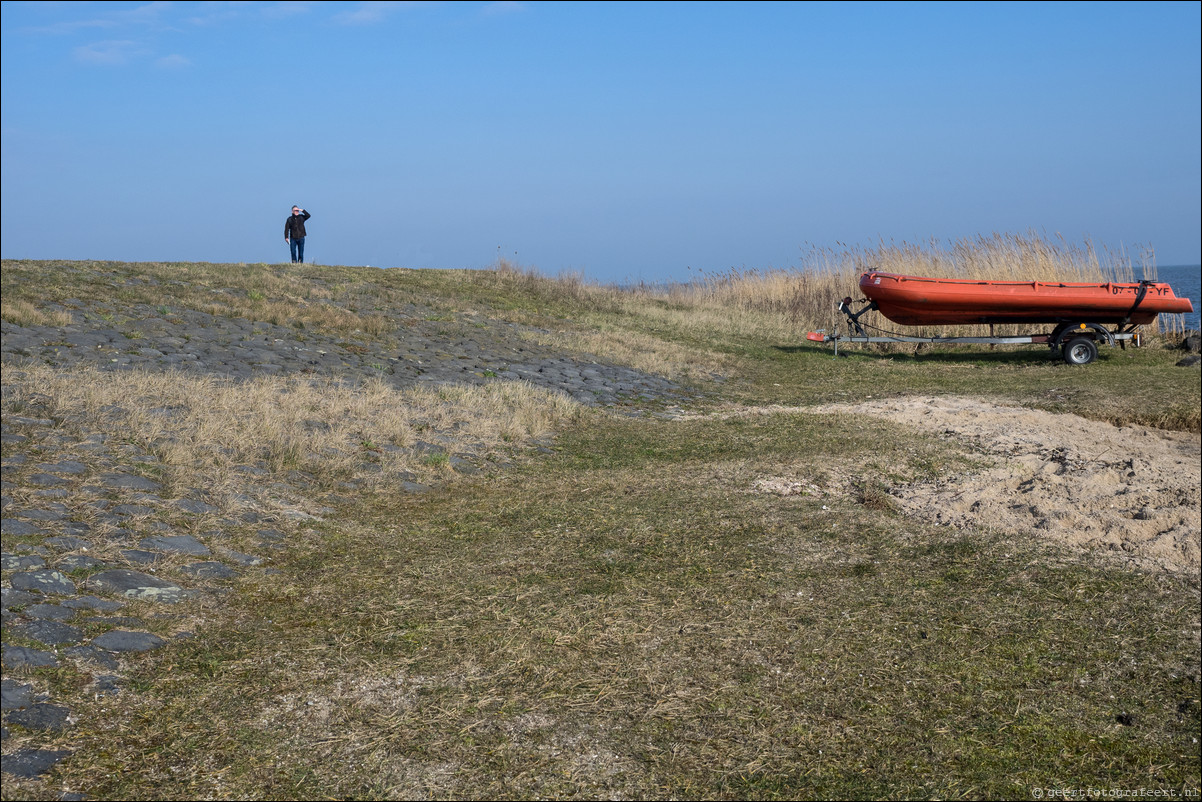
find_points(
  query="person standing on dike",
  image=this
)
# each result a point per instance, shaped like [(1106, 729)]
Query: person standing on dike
[(294, 233)]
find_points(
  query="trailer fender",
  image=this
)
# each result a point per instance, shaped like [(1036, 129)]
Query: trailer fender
[(1069, 331)]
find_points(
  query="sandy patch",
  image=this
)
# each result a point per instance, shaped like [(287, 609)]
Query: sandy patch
[(1130, 491)]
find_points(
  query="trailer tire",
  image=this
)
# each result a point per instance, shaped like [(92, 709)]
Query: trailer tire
[(1080, 351)]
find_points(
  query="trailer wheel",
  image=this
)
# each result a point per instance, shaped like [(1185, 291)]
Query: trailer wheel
[(1080, 351)]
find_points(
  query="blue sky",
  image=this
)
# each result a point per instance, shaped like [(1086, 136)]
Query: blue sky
[(621, 141)]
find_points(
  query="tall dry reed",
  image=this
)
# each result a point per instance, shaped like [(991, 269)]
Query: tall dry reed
[(806, 296)]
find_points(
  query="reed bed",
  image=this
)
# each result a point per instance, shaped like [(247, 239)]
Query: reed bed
[(805, 297), (702, 318)]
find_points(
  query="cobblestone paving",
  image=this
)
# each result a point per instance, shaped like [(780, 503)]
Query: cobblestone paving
[(427, 346)]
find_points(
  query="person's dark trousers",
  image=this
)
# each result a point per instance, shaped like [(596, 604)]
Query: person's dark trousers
[(297, 244)]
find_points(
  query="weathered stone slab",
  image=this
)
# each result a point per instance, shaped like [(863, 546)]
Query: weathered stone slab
[(128, 482), (16, 598), (107, 684), (92, 603), (137, 585), (46, 480), (140, 556), (17, 656), (41, 717), (49, 612), (132, 509), (12, 526), (20, 562), (15, 695), (65, 466), (179, 544), (242, 559), (21, 420), (92, 654), (122, 641), (29, 763), (41, 515), (43, 582), (66, 543), (199, 507), (51, 633), (74, 562)]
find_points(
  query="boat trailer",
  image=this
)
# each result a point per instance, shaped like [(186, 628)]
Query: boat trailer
[(1077, 341)]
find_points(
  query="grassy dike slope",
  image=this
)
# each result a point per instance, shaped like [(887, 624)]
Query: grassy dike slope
[(622, 617)]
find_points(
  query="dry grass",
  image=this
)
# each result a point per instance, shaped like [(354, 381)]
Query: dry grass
[(24, 313), (336, 300), (301, 314), (203, 428)]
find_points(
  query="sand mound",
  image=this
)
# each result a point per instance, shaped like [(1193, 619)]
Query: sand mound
[(1130, 490)]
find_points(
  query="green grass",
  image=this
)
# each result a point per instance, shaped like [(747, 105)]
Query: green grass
[(626, 617), (628, 620)]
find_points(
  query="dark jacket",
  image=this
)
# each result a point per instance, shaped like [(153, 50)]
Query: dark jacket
[(294, 226)]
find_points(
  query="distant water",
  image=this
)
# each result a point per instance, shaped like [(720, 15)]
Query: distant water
[(1186, 283)]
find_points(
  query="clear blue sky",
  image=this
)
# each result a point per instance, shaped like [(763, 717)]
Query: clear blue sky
[(621, 141)]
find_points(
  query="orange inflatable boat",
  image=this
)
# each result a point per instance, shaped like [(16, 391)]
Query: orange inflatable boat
[(917, 301)]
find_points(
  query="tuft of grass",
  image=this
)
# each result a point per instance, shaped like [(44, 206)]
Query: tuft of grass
[(26, 313), (874, 495)]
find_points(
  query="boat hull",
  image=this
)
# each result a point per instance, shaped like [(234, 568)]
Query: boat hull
[(918, 301)]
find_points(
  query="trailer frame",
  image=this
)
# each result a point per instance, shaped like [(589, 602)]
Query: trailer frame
[(1077, 340)]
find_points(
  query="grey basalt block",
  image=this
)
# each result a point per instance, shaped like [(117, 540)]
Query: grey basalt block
[(15, 695), (92, 603), (123, 641), (17, 598), (51, 633), (128, 482), (49, 612), (198, 507), (12, 526), (18, 656), (178, 544), (46, 480), (29, 763), (44, 581), (137, 585), (21, 562), (41, 717), (65, 466)]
